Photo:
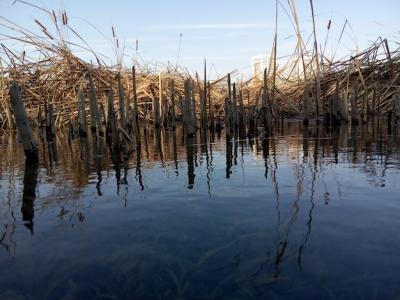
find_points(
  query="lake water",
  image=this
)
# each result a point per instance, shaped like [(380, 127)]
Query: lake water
[(306, 214)]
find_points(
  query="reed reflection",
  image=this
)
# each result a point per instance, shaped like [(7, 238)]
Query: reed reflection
[(29, 193), (306, 151), (190, 153), (228, 156), (138, 172)]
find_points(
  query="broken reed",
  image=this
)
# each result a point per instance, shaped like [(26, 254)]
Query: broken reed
[(70, 92)]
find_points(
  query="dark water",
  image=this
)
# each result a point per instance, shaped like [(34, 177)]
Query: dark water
[(303, 215)]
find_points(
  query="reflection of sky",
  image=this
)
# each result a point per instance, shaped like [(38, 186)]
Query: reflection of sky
[(227, 33), (281, 221)]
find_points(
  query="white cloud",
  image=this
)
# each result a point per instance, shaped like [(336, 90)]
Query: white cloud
[(202, 26)]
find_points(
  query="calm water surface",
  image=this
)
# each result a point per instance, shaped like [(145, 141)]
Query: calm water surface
[(303, 215)]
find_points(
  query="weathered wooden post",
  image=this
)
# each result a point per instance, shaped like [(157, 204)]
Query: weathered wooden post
[(188, 109), (203, 109), (336, 109), (173, 113), (50, 123), (102, 114), (127, 109), (210, 109), (229, 99), (82, 119), (136, 127), (355, 117), (22, 124), (227, 107), (372, 111), (250, 118), (160, 99), (234, 107), (94, 111), (193, 101), (145, 117), (364, 113), (121, 98), (39, 121), (265, 102), (242, 126), (396, 108), (201, 105), (111, 122), (156, 111), (345, 107)]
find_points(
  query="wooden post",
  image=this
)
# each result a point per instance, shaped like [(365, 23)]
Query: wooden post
[(365, 106), (135, 107), (372, 111), (22, 124), (193, 99), (265, 101), (242, 125), (227, 119), (111, 114), (39, 115), (203, 110), (210, 109), (229, 99), (94, 114), (50, 123), (355, 118), (165, 112), (121, 98), (173, 113), (345, 107), (234, 109), (202, 102), (161, 99), (82, 119), (396, 108), (102, 114), (156, 111), (336, 105), (145, 117), (127, 109), (188, 109), (250, 118)]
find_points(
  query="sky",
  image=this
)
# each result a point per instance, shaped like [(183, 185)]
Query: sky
[(226, 33)]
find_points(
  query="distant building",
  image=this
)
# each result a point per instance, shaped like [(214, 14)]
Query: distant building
[(259, 63)]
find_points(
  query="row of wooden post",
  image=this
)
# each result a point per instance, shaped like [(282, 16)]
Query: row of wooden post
[(236, 119), (164, 114)]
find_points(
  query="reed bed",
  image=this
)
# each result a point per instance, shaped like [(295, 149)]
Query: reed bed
[(54, 75)]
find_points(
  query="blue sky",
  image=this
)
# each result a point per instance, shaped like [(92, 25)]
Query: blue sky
[(227, 33)]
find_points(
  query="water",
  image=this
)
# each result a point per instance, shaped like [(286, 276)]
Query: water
[(303, 215)]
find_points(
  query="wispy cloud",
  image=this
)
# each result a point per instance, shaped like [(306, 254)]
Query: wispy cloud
[(203, 26)]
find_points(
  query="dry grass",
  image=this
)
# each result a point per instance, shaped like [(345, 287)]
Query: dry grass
[(55, 73)]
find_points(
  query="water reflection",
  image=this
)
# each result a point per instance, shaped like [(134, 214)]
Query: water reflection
[(190, 153), (216, 218), (29, 192)]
